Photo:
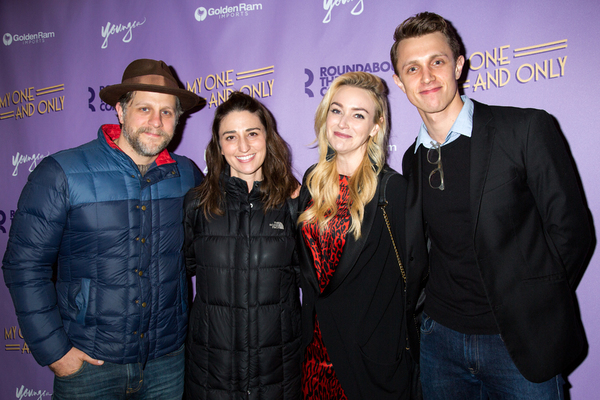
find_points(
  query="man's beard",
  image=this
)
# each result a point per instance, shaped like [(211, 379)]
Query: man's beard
[(141, 148)]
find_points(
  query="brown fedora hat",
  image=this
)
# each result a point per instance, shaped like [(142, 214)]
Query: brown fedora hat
[(151, 76)]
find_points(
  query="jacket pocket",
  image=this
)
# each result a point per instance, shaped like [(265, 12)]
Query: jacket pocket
[(82, 300), (427, 324), (74, 374), (387, 376), (497, 181)]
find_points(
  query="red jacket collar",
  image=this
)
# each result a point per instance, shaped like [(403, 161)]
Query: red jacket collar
[(112, 132)]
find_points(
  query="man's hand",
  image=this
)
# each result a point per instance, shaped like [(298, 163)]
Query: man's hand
[(71, 362)]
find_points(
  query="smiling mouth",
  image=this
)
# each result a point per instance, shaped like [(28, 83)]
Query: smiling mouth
[(430, 91), (246, 158), (151, 133), (342, 135)]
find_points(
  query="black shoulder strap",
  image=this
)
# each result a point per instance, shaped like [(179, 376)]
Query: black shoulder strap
[(387, 174)]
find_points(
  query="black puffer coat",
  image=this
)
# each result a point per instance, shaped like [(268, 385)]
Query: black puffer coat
[(244, 329)]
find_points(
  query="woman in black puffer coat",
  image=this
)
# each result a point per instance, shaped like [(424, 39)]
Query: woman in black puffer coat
[(244, 328)]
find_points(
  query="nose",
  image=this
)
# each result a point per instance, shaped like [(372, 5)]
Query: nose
[(156, 119), (243, 145), (427, 76), (343, 121)]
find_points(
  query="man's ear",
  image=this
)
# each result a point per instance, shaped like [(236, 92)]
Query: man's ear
[(119, 110), (460, 62), (399, 83)]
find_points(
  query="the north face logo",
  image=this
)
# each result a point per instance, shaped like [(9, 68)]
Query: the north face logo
[(276, 225)]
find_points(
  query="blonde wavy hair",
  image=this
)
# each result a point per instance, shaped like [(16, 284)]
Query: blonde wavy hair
[(323, 181)]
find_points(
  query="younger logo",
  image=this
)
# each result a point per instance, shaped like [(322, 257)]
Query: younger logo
[(328, 6), (23, 393), (111, 29), (33, 160)]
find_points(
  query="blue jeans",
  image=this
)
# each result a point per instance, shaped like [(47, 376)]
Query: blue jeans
[(161, 379), (459, 366)]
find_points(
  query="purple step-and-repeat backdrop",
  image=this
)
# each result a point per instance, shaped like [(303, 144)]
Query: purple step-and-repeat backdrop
[(56, 56)]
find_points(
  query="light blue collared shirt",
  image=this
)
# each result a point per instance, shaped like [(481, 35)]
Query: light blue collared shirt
[(462, 126)]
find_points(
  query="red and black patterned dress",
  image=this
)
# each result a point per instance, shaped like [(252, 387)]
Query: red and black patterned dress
[(319, 380)]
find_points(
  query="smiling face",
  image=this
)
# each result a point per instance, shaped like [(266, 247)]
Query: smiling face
[(350, 124), (242, 138), (148, 125), (429, 74)]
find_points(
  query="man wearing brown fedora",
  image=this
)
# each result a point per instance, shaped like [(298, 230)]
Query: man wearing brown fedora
[(109, 215)]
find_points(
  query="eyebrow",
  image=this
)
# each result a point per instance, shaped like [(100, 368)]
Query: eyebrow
[(352, 108), (247, 130), (145, 103), (429, 58)]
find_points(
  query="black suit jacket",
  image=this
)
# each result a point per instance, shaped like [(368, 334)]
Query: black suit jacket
[(360, 311), (531, 234)]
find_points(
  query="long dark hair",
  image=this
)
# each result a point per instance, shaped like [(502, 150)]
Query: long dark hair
[(278, 180)]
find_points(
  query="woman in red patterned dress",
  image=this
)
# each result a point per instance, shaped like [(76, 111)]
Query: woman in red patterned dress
[(354, 333)]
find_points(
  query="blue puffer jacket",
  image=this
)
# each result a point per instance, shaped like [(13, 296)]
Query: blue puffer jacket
[(120, 293)]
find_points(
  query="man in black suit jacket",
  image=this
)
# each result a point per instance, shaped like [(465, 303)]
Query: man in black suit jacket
[(497, 228)]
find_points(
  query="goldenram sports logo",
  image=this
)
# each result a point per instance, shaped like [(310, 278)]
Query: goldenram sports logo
[(241, 10), (28, 38)]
